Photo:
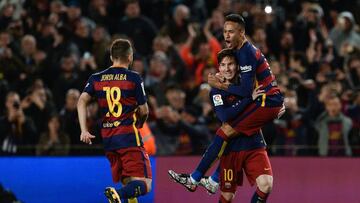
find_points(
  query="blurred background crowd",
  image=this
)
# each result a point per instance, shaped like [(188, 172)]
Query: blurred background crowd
[(48, 49)]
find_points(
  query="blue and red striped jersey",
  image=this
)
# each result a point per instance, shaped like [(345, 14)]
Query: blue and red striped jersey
[(227, 107), (119, 92), (254, 69)]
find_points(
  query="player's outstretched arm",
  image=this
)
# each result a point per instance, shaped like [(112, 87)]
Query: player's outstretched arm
[(81, 108)]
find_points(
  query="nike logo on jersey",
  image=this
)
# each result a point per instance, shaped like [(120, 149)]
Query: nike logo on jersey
[(245, 69)]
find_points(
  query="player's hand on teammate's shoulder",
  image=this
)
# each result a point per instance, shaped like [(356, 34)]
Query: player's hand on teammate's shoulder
[(86, 137)]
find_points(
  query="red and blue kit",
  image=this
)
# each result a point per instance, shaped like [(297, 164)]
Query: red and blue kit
[(243, 153), (234, 164), (255, 71), (227, 107), (119, 92)]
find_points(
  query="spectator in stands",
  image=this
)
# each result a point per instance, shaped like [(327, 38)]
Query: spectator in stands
[(62, 46), (194, 125), (67, 79), (176, 28), (307, 26), (217, 19), (200, 50), (292, 129), (6, 14), (101, 40), (354, 113), (260, 41), (38, 106), (17, 131), (177, 66), (166, 128), (82, 37), (11, 66), (69, 119), (53, 141), (140, 29), (353, 70), (140, 66), (32, 59), (333, 128), (148, 139), (344, 35), (74, 14), (157, 78), (98, 11)]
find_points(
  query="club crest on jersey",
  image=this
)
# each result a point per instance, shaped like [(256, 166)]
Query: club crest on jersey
[(217, 100), (245, 69), (227, 185)]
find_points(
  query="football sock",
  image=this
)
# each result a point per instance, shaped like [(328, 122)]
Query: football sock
[(223, 200), (214, 151), (133, 189), (215, 176), (259, 197), (132, 200)]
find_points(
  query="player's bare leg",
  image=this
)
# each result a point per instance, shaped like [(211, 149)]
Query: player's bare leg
[(184, 180), (226, 197)]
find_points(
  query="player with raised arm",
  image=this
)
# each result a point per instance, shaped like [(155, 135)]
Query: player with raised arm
[(254, 72), (121, 97)]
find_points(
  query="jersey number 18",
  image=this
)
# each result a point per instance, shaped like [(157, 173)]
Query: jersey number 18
[(113, 96)]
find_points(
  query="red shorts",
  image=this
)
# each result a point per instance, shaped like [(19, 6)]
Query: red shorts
[(253, 162), (129, 162), (253, 118)]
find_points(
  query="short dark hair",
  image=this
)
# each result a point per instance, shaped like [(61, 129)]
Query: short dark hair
[(120, 49), (227, 52), (128, 2), (236, 18)]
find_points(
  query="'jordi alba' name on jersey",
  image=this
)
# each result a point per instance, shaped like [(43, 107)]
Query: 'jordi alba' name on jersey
[(119, 92)]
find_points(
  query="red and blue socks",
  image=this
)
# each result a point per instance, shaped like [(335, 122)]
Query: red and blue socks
[(133, 189), (259, 196)]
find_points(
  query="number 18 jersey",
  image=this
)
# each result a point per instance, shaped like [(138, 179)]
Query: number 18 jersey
[(119, 92)]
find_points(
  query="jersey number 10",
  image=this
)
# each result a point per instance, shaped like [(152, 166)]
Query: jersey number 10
[(113, 96)]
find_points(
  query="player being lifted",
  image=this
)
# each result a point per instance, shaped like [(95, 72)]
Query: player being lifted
[(254, 69), (122, 100)]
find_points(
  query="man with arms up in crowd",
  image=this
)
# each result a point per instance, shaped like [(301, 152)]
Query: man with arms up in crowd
[(254, 71), (121, 97)]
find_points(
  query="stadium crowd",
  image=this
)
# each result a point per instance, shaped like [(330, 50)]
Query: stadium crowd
[(49, 48)]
